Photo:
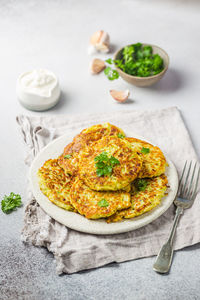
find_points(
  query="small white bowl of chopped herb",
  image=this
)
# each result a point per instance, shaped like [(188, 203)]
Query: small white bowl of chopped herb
[(140, 64)]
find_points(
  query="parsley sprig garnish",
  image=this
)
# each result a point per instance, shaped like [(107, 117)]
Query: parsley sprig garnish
[(67, 156), (103, 203), (105, 164), (141, 184), (120, 135), (10, 203), (145, 150)]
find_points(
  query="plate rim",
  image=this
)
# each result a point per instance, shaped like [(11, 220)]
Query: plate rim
[(101, 227)]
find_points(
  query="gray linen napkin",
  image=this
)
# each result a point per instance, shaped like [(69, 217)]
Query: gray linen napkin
[(75, 251)]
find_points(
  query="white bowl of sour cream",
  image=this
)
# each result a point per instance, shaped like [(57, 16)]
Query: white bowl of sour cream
[(38, 89)]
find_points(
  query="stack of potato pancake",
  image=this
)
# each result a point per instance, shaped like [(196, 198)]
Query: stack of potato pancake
[(104, 174)]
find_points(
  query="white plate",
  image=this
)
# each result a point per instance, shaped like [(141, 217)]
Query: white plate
[(80, 223)]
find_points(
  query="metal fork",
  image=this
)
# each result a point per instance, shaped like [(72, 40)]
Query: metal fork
[(185, 197)]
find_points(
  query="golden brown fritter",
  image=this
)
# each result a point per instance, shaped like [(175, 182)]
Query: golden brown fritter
[(125, 171), (95, 205), (103, 174), (55, 184), (69, 159), (146, 194), (153, 160)]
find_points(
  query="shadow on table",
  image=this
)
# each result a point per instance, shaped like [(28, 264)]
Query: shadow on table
[(172, 81), (128, 101), (112, 265), (64, 98), (113, 48), (189, 248)]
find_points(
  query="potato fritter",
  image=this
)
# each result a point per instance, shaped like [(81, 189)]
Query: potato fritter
[(55, 184), (95, 205), (103, 174), (153, 160), (145, 195), (118, 176), (69, 159)]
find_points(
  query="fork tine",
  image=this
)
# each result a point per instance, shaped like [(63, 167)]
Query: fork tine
[(195, 189), (191, 182), (186, 180), (180, 181)]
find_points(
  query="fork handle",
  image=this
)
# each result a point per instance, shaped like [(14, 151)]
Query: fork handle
[(164, 258)]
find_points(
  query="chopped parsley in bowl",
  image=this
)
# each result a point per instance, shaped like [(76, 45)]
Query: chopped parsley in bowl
[(139, 64)]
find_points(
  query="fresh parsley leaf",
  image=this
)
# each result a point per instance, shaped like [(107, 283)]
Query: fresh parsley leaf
[(109, 61), (141, 184), (100, 165), (104, 164), (156, 72), (102, 157), (157, 62), (107, 170), (103, 203), (100, 172), (67, 156), (107, 70), (119, 63), (145, 150), (111, 74), (147, 51), (114, 161), (10, 203), (120, 135), (139, 54), (103, 170), (128, 53), (137, 46)]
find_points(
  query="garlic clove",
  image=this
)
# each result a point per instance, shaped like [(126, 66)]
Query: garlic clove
[(92, 50), (100, 41), (96, 37), (120, 96), (97, 65)]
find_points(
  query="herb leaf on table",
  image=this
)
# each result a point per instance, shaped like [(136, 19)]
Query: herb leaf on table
[(10, 203), (111, 73)]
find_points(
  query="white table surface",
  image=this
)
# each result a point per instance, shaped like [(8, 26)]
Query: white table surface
[(54, 35)]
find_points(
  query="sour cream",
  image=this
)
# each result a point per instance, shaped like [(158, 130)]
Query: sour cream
[(38, 89)]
